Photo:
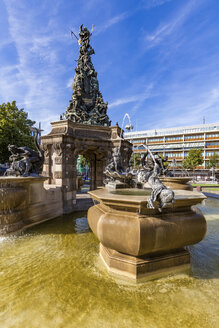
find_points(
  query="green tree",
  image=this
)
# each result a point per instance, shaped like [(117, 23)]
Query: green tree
[(165, 163), (213, 161), (14, 129), (84, 161), (193, 159), (136, 160)]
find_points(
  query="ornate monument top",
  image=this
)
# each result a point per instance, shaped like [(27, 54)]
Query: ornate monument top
[(87, 105)]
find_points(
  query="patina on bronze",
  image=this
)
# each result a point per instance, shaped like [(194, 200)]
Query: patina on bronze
[(25, 161), (87, 105)]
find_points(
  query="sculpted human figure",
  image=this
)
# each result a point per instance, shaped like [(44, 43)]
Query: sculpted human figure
[(159, 192), (152, 169), (115, 164)]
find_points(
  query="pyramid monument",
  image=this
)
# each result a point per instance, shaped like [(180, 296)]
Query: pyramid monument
[(87, 105)]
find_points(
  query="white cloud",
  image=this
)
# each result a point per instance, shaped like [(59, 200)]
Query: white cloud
[(168, 28), (34, 81), (112, 21), (154, 3), (138, 99), (186, 108), (124, 100), (69, 82), (144, 96)]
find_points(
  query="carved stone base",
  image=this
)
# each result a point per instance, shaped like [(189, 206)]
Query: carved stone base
[(145, 266)]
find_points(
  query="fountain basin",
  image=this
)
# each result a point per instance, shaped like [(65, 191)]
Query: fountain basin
[(177, 183), (11, 198), (137, 241), (25, 201)]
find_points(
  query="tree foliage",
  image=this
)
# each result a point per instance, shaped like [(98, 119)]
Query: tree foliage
[(213, 161), (84, 161), (193, 159), (14, 129), (165, 163), (136, 160)]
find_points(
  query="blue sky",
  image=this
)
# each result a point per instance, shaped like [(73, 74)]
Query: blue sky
[(157, 60)]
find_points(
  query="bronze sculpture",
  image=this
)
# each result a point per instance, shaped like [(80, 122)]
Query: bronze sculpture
[(25, 161), (87, 105)]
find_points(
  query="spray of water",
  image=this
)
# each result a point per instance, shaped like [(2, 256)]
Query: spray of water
[(147, 148), (123, 121)]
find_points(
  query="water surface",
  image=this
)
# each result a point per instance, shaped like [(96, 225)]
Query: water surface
[(51, 276)]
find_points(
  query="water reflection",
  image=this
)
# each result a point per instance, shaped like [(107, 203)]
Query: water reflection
[(81, 225), (51, 276)]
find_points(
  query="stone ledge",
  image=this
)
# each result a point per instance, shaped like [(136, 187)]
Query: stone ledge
[(145, 266)]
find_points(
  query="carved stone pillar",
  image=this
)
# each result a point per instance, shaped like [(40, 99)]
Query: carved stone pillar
[(47, 166), (93, 172), (99, 173), (69, 177)]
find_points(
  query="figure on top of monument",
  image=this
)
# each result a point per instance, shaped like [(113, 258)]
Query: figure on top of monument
[(87, 105)]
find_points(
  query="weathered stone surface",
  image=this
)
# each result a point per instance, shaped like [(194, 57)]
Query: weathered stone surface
[(127, 226), (144, 266), (27, 201), (94, 142), (87, 105)]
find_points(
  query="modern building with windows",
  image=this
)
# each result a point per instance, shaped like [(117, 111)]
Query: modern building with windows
[(176, 142)]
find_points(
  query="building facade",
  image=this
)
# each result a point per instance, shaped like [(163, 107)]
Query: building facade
[(176, 142)]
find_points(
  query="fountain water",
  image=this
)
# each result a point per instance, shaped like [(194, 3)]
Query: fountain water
[(128, 127), (52, 274), (171, 181)]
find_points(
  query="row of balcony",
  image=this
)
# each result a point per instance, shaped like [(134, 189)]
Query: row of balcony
[(172, 140)]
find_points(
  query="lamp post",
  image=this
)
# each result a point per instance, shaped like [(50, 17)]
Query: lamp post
[(213, 173)]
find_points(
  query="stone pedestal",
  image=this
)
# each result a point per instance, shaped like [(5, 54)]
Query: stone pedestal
[(137, 241), (145, 266)]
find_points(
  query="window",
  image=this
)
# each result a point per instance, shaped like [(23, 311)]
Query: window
[(138, 141), (155, 139), (212, 135), (173, 138), (212, 144), (194, 136)]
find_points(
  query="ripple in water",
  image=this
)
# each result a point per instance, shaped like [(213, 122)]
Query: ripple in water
[(51, 276)]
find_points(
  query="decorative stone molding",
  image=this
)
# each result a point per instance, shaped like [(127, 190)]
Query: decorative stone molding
[(58, 148), (46, 161), (58, 174), (46, 148), (60, 130), (58, 160)]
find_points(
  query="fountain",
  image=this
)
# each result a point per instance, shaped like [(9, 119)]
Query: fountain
[(145, 236), (168, 179), (25, 200), (140, 236)]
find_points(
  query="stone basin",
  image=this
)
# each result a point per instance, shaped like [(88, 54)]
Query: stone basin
[(177, 183), (25, 201), (135, 240), (11, 198)]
